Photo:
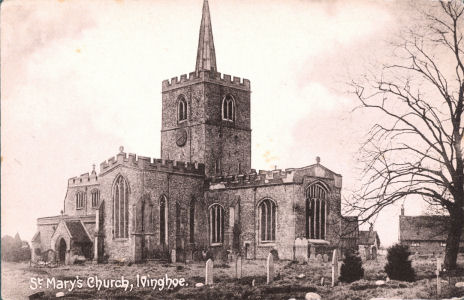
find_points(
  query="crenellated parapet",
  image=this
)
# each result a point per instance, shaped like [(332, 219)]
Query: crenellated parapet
[(272, 177), (84, 179), (147, 163), (205, 76), (262, 177)]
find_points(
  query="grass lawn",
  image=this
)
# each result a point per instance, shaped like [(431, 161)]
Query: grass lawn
[(16, 281)]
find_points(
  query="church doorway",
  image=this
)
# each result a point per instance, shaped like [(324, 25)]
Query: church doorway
[(62, 251)]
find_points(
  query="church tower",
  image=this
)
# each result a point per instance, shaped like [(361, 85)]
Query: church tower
[(206, 115)]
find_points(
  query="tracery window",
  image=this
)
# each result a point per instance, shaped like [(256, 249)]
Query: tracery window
[(216, 224), (316, 211), (80, 200), (267, 220), (95, 197), (120, 208), (228, 108)]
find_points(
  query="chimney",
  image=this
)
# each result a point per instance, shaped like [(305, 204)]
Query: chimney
[(402, 209)]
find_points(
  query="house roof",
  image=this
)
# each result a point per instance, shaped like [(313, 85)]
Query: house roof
[(367, 237), (423, 228), (78, 232)]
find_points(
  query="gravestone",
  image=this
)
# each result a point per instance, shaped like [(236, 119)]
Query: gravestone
[(238, 267), (437, 272), (301, 250), (334, 267), (313, 252), (319, 257), (173, 256), (312, 296), (209, 272), (270, 272), (325, 257)]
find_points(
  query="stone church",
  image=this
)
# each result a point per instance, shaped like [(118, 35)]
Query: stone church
[(202, 194)]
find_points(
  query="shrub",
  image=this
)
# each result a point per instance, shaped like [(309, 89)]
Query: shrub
[(351, 269), (398, 265), (275, 254)]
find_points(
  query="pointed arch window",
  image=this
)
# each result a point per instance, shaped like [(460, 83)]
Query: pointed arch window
[(95, 197), (267, 220), (192, 221), (228, 108), (80, 199), (316, 211), (182, 109), (163, 207), (120, 208), (216, 224)]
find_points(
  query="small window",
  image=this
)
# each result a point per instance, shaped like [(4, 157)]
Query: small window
[(267, 220), (79, 200), (95, 198), (415, 244), (228, 108), (443, 244), (163, 220), (216, 224), (192, 221), (217, 167), (182, 109)]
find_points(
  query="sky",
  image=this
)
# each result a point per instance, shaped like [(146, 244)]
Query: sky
[(81, 78)]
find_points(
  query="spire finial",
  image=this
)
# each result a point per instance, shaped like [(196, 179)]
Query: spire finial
[(206, 55)]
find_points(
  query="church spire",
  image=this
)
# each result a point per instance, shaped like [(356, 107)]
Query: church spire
[(206, 56)]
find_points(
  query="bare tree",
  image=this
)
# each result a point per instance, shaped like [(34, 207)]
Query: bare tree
[(414, 149)]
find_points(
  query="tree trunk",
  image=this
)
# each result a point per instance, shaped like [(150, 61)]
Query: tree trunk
[(453, 240)]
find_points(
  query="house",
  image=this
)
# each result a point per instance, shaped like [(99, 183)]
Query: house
[(368, 243), (425, 234)]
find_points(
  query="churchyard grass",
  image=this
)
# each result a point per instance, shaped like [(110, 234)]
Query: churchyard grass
[(288, 282)]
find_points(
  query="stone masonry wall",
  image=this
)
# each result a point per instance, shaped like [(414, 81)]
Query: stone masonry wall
[(250, 197), (147, 183), (210, 139)]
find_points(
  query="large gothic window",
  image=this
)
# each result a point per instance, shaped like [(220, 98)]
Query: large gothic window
[(163, 210), (120, 208), (80, 200), (182, 109), (216, 224), (316, 211), (228, 108), (267, 220)]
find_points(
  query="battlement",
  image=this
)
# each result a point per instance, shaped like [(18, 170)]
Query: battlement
[(84, 179), (209, 76), (142, 162), (261, 178)]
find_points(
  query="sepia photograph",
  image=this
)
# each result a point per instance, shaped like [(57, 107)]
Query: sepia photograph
[(232, 149)]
